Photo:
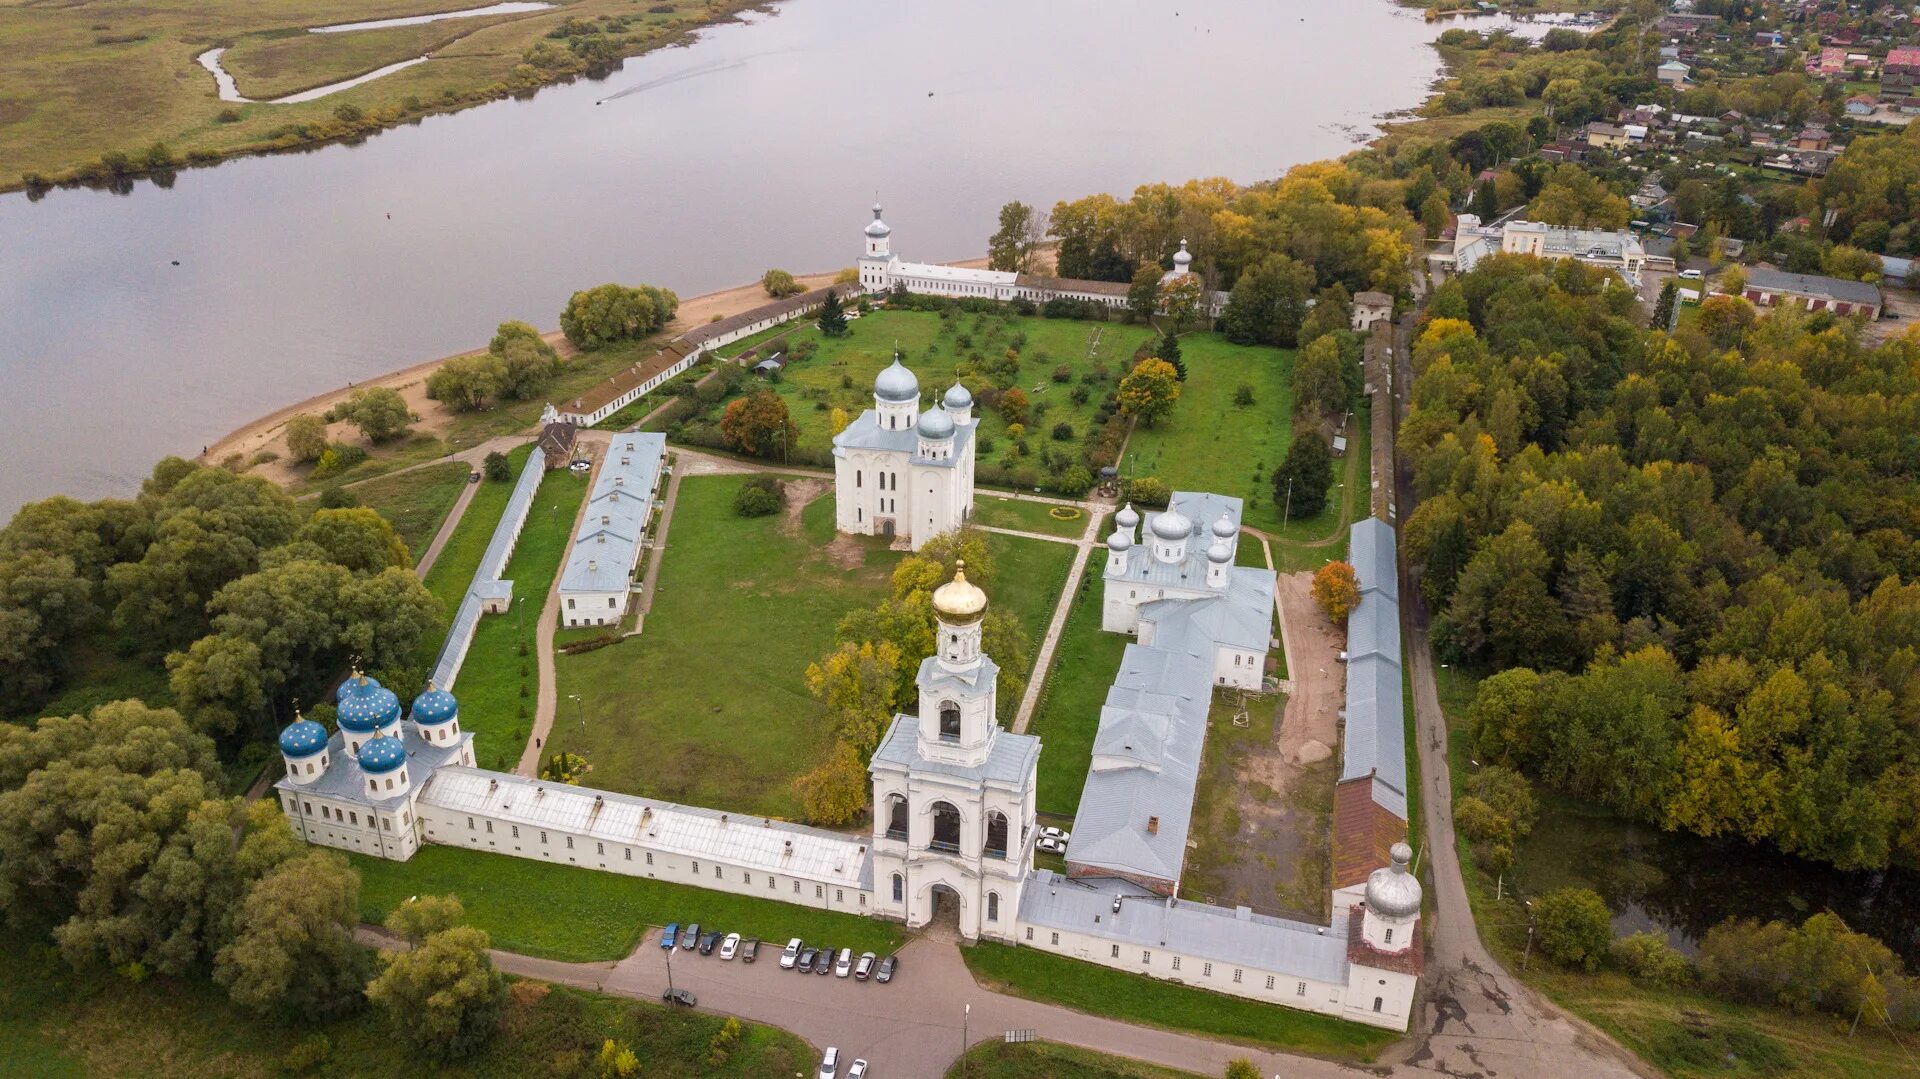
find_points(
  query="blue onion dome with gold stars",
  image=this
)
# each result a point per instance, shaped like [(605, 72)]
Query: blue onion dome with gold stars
[(382, 755), (353, 685), (367, 706), (434, 707), (303, 738)]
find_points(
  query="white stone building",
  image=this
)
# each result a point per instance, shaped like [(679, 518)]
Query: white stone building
[(953, 794), (1371, 307), (1619, 251), (899, 472), (597, 581)]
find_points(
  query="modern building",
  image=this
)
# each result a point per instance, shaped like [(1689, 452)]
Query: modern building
[(1619, 251), (953, 794), (597, 581), (901, 472), (1673, 73), (1771, 288), (881, 271)]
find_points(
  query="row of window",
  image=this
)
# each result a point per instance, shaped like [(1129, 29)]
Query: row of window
[(351, 816)]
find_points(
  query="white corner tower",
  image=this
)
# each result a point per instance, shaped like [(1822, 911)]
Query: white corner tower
[(1384, 953), (876, 255), (953, 793)]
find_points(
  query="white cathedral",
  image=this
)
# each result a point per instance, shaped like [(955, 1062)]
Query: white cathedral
[(901, 472)]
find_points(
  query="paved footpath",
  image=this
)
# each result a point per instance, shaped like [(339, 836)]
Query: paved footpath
[(1089, 540), (547, 699)]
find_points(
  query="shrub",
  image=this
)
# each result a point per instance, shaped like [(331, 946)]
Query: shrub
[(761, 496), (1063, 432), (496, 467), (1148, 491), (1079, 395), (1071, 482), (307, 1054), (337, 459), (338, 498), (228, 116), (1063, 373), (1649, 958), (1575, 927), (1243, 395)]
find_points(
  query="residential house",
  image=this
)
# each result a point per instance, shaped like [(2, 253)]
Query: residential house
[(1900, 74), (1812, 138), (557, 439), (1771, 288), (1673, 73), (1862, 105), (1606, 136)]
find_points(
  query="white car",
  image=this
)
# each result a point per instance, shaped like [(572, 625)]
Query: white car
[(858, 1070), (791, 955), (830, 1064), (1691, 275), (1056, 833), (730, 947), (844, 965), (1050, 845)]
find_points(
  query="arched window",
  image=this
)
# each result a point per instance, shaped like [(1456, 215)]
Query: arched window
[(1389, 936), (899, 888), (949, 721), (946, 828), (993, 906), (896, 817), (996, 834), (1377, 1001)]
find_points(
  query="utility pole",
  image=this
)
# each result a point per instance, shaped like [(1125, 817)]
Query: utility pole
[(1528, 954), (965, 1069), (1288, 510)]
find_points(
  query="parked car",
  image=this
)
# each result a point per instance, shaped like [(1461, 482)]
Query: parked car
[(864, 970), (689, 934), (830, 1064), (1049, 845), (730, 946), (790, 954), (709, 942), (1055, 833), (857, 1070), (749, 949), (683, 997), (1691, 275), (669, 935), (843, 966), (823, 963), (805, 963), (887, 968)]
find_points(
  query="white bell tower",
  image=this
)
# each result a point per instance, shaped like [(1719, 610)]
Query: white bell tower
[(877, 256), (956, 690)]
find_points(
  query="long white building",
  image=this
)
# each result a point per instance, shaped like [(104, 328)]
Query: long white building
[(596, 584)]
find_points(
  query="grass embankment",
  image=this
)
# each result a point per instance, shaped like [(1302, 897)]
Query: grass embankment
[(1024, 516), (584, 915), (1686, 1033), (1068, 714), (500, 680), (84, 82), (417, 502), (1050, 1060), (1122, 995), (755, 598), (55, 1024)]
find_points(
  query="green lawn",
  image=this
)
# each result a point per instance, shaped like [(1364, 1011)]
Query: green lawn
[(416, 503), (55, 1024), (1027, 516), (756, 597), (1123, 995), (1050, 1060), (841, 373), (1212, 444), (500, 680), (1068, 714), (1028, 576), (452, 573), (585, 915)]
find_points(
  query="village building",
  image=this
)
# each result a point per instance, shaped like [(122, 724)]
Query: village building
[(1771, 288), (596, 584), (1371, 307), (1900, 73), (1619, 251), (1673, 73), (557, 437), (902, 473)]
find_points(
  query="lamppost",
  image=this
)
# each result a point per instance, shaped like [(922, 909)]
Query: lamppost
[(964, 1041), (1288, 510), (579, 710), (669, 950), (1528, 954)]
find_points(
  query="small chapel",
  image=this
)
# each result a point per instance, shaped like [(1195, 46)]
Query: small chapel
[(902, 473)]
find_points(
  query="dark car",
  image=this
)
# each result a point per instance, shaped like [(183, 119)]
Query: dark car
[(823, 963), (887, 967), (669, 935), (709, 942), (805, 964), (749, 948), (689, 934), (682, 997)]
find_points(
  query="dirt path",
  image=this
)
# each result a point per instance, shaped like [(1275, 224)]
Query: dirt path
[(1084, 547), (1310, 726)]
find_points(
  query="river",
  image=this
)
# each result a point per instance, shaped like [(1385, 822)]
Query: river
[(153, 322)]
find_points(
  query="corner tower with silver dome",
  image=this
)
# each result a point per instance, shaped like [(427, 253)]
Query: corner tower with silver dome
[(876, 254), (1384, 954), (900, 472), (953, 793)]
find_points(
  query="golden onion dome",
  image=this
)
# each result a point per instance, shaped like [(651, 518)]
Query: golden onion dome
[(959, 600)]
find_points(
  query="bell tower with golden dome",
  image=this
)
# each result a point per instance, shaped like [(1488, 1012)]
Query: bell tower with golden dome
[(953, 794)]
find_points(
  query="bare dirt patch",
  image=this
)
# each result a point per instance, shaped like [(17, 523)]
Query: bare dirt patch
[(846, 552), (799, 493)]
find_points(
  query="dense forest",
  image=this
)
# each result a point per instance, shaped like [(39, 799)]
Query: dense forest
[(1689, 557)]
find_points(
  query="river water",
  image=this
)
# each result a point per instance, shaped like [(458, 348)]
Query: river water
[(761, 144)]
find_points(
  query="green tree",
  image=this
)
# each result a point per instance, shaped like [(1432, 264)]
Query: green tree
[(599, 316), (1575, 197), (527, 363), (1504, 714), (1149, 391), (1169, 350), (780, 284), (1269, 303), (1300, 483), (424, 915), (1319, 378), (359, 539), (292, 950), (1143, 295), (306, 437), (1010, 248), (378, 411), (443, 996), (1575, 927), (1663, 308), (833, 316), (1181, 298), (758, 424), (1486, 201), (468, 383), (497, 468)]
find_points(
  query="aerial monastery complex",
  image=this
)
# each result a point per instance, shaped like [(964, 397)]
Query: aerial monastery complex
[(954, 826)]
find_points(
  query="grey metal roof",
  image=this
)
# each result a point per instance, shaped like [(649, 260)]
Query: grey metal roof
[(1375, 741), (1832, 288), (345, 781), (1008, 762), (1373, 629), (744, 840), (1370, 550), (1240, 617), (866, 433), (608, 544), (1236, 937)]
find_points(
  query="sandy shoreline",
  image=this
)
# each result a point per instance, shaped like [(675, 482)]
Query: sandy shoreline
[(267, 432)]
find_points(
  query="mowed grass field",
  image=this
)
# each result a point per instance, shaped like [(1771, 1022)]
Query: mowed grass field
[(581, 915), (1023, 516), (709, 705), (416, 503), (452, 573), (1050, 1060), (78, 81), (841, 373), (1068, 714)]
